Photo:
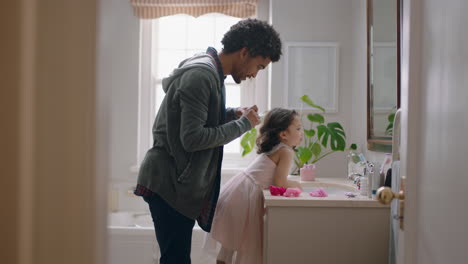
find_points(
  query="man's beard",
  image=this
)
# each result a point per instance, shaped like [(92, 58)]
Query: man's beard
[(236, 79)]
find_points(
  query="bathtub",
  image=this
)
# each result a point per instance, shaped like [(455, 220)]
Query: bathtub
[(132, 240), (131, 237)]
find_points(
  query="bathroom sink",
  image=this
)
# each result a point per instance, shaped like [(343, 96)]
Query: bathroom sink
[(329, 190), (330, 186)]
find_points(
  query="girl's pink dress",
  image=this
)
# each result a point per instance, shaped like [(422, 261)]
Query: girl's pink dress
[(238, 221)]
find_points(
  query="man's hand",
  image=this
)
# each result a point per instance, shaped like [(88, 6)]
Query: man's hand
[(240, 111), (251, 113)]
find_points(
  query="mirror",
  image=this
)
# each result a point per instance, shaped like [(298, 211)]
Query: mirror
[(383, 71)]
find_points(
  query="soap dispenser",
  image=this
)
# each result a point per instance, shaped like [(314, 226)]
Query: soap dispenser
[(366, 180), (370, 178)]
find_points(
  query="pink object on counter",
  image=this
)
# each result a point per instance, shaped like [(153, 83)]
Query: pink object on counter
[(292, 192), (319, 192), (307, 172), (275, 190)]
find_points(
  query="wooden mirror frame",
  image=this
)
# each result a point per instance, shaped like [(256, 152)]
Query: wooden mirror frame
[(381, 144)]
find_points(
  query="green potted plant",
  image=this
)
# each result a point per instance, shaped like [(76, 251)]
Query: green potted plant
[(320, 140), (390, 119)]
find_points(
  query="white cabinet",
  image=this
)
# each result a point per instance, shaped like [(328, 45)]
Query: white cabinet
[(330, 230)]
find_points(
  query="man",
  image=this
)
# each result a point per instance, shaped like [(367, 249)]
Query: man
[(180, 175)]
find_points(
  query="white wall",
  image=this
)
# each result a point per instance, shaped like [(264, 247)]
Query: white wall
[(118, 73), (118, 69)]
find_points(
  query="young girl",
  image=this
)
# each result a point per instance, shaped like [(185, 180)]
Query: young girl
[(238, 220)]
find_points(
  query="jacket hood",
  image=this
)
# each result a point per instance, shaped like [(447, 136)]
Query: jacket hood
[(201, 60)]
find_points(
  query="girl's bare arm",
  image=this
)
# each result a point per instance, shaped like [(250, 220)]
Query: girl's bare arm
[(280, 178)]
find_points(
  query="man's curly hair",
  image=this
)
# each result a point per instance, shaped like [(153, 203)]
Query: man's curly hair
[(260, 39)]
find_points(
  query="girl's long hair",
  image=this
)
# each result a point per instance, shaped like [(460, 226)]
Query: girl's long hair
[(276, 121)]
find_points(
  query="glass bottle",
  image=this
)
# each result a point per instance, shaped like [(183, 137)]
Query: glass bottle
[(356, 164)]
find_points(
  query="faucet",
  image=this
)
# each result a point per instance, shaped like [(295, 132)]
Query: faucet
[(353, 177), (357, 181), (369, 173), (369, 168)]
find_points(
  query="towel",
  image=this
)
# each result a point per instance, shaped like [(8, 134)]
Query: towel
[(292, 192), (319, 192)]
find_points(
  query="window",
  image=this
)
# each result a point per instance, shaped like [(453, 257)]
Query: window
[(178, 37), (165, 42)]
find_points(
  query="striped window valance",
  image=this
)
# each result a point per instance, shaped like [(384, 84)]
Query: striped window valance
[(147, 9)]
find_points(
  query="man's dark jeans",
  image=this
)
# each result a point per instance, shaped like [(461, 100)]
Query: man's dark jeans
[(173, 231)]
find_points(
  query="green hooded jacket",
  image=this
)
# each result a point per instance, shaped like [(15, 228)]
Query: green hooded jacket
[(181, 166)]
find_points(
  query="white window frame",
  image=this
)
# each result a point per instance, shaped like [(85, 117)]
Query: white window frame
[(146, 95), (252, 92)]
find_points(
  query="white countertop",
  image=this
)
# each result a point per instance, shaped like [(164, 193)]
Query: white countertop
[(332, 200)]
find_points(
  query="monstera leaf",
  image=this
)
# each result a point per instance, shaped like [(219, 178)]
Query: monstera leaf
[(333, 133), (309, 132), (248, 141), (316, 149), (318, 118), (308, 101), (303, 154)]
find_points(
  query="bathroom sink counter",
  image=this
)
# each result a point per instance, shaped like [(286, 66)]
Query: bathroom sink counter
[(333, 230), (333, 199)]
